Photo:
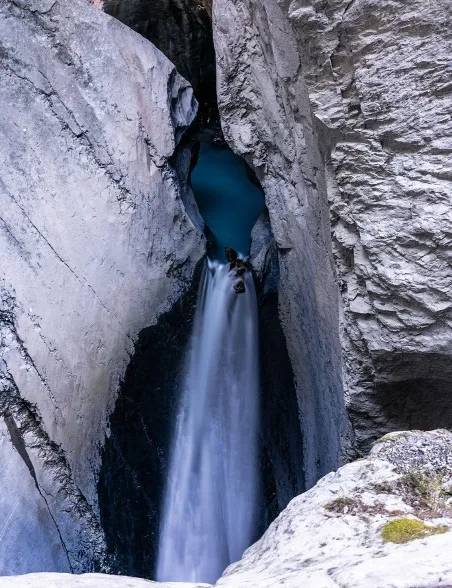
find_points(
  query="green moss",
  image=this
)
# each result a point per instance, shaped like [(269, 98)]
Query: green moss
[(404, 530)]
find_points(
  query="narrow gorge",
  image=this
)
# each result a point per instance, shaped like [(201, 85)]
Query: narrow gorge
[(225, 292)]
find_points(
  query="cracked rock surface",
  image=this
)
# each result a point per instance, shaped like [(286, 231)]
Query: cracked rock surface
[(95, 245), (331, 535), (379, 79), (368, 84)]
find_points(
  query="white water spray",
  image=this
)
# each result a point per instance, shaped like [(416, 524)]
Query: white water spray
[(210, 506)]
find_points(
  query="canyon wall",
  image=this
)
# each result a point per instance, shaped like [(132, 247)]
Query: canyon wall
[(266, 117), (95, 244), (379, 82), (350, 102)]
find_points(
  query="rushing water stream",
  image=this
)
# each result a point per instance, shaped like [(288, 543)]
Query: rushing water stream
[(210, 507)]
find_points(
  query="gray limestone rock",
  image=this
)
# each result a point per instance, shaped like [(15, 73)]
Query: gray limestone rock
[(266, 117), (331, 536), (350, 102), (379, 81), (95, 244)]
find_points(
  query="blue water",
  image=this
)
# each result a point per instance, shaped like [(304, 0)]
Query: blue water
[(229, 202)]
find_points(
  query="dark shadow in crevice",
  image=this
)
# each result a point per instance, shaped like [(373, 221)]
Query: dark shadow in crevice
[(135, 455), (413, 390), (409, 390), (182, 30), (281, 436), (421, 403)]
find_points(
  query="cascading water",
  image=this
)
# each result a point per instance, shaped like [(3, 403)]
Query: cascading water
[(211, 500)]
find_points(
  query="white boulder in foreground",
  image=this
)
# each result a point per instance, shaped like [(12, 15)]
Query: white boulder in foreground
[(331, 536)]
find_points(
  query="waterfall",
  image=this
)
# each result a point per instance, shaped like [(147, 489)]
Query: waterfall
[(210, 505)]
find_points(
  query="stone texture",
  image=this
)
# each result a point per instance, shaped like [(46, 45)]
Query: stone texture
[(368, 84), (26, 517), (331, 535), (266, 117), (94, 239), (182, 30), (379, 83)]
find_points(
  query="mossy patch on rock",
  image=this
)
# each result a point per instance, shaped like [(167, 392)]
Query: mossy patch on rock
[(404, 530)]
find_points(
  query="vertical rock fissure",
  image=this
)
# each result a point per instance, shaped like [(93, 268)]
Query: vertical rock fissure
[(132, 525)]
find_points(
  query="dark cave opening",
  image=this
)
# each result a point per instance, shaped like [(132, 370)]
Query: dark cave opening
[(182, 30), (413, 390), (417, 403), (410, 391)]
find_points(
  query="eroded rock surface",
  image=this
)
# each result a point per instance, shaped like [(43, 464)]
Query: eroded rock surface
[(95, 245), (266, 117), (379, 81), (368, 83), (331, 536), (182, 29)]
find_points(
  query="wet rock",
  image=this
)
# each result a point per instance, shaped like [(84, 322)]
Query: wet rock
[(231, 254), (239, 287)]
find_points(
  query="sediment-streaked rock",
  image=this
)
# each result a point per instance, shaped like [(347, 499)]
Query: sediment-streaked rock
[(95, 244)]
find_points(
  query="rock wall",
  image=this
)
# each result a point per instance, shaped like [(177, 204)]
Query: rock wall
[(182, 30), (379, 82), (95, 244), (366, 83), (266, 117)]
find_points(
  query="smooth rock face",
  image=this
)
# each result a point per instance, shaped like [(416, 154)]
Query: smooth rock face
[(27, 519), (266, 117), (330, 537), (94, 242), (85, 581)]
